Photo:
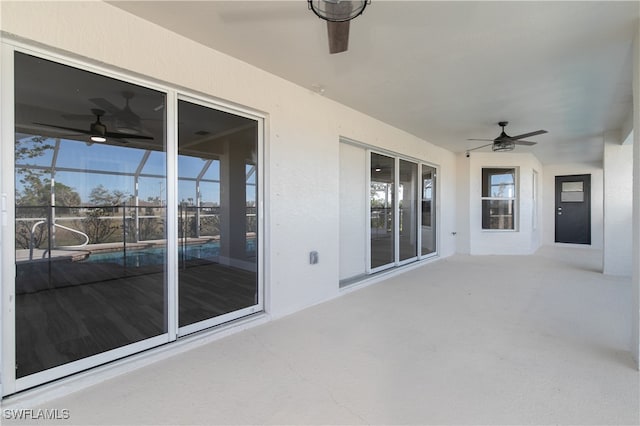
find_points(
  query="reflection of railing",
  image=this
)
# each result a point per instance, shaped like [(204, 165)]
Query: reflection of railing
[(115, 224), (75, 231), (101, 224)]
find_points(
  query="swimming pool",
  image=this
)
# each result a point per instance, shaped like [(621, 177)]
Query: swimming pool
[(156, 256)]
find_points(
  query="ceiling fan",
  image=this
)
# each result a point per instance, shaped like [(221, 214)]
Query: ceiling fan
[(123, 119), (98, 131), (505, 142), (338, 14)]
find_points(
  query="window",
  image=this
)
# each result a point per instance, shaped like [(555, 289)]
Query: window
[(498, 198)]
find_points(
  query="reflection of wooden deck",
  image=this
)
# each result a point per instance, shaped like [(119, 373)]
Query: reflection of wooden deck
[(71, 310), (40, 255)]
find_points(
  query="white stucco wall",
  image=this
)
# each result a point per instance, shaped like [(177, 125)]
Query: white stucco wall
[(302, 140), (524, 240), (618, 206), (597, 199), (353, 206)]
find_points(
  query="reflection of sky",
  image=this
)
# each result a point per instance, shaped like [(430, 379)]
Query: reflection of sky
[(502, 185), (121, 163)]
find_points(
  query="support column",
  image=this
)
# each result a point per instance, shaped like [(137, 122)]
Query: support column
[(618, 204), (635, 280)]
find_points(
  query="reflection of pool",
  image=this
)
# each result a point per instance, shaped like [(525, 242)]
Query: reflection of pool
[(156, 256)]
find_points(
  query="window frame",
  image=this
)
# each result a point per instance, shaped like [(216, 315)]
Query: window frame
[(515, 198)]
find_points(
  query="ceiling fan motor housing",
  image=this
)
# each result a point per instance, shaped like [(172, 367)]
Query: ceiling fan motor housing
[(503, 145)]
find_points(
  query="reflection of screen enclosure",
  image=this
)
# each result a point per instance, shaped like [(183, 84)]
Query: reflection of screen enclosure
[(76, 196), (91, 217), (217, 156)]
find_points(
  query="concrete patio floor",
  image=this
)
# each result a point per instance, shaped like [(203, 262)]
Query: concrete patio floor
[(540, 339)]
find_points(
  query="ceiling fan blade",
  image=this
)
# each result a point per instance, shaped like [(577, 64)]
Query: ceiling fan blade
[(116, 135), (526, 143), (338, 33), (113, 135), (73, 129), (479, 147), (83, 117), (526, 135), (487, 140)]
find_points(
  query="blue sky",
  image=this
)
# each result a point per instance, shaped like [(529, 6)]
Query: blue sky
[(97, 157)]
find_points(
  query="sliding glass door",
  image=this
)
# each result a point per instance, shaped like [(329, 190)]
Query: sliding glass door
[(217, 256), (136, 218), (402, 211), (428, 217), (408, 208), (382, 207), (90, 235)]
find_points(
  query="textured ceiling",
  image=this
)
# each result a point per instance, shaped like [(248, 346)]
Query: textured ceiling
[(444, 71)]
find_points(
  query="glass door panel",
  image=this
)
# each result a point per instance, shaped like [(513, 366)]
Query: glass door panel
[(90, 237), (217, 223), (382, 201), (428, 226), (408, 208)]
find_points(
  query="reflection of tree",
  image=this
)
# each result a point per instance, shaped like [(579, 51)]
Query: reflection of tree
[(28, 148), (376, 189), (96, 226), (34, 201), (150, 227), (502, 189), (381, 203)]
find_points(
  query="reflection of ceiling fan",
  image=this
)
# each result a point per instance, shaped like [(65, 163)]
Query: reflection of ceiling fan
[(98, 131), (505, 142), (124, 119)]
